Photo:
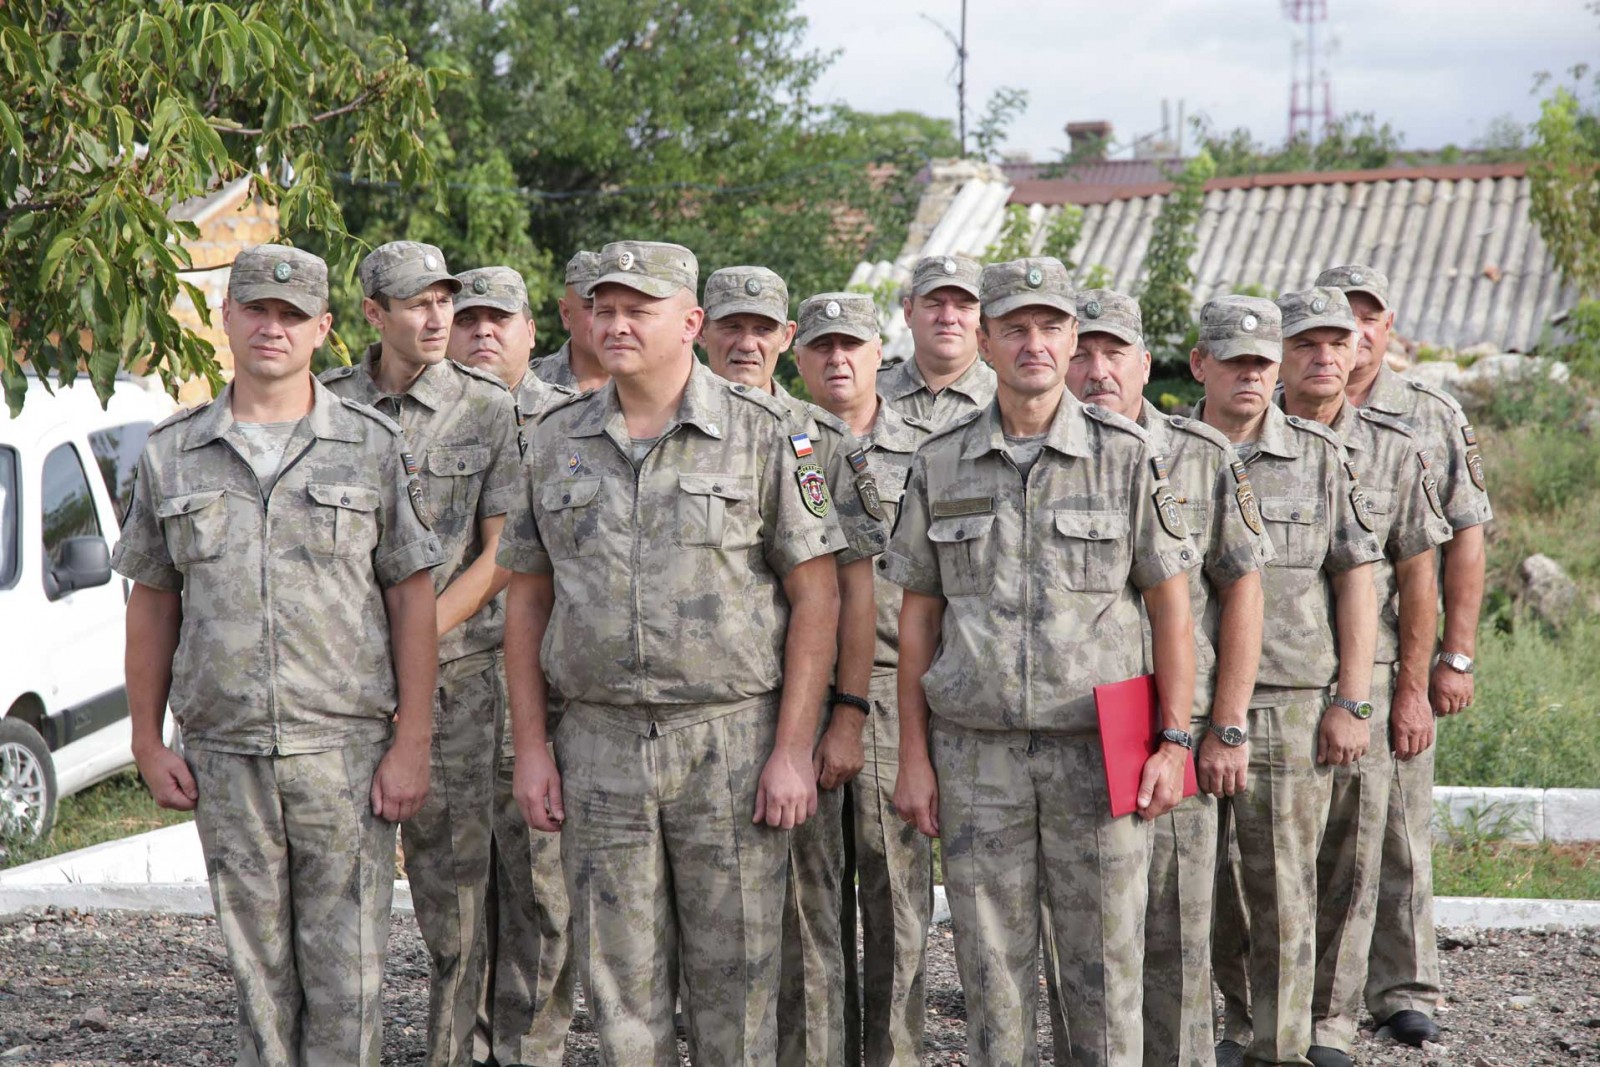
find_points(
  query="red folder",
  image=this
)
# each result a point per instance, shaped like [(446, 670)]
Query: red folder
[(1130, 733)]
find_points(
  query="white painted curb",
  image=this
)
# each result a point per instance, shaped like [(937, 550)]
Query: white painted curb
[(169, 898), (1561, 816)]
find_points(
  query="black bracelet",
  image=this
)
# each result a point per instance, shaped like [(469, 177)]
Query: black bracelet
[(860, 703)]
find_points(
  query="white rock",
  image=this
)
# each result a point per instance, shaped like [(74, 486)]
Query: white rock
[(1545, 590)]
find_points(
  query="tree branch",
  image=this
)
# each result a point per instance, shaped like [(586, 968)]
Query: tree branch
[(248, 131)]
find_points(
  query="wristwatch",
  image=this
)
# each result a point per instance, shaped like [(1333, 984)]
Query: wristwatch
[(1457, 661), (1361, 709), (1231, 736), (1178, 737)]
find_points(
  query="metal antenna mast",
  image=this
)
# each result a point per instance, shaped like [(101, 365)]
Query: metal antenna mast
[(960, 71), (1310, 94)]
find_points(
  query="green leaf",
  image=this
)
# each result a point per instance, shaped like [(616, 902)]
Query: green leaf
[(59, 247)]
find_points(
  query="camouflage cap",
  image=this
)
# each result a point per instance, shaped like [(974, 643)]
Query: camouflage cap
[(1234, 326), (653, 268), (939, 272), (491, 287), (1358, 278), (1309, 309), (402, 269), (746, 291), (278, 272), (582, 269), (1041, 281), (1108, 311), (850, 314)]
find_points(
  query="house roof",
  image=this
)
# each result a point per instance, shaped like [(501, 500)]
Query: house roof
[(1465, 262)]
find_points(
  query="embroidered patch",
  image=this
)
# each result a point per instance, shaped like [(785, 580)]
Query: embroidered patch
[(813, 488), (867, 490), (801, 443), (1170, 514), (1249, 506), (418, 503), (950, 509)]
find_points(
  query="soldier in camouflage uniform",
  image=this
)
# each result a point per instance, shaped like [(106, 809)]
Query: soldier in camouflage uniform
[(1403, 983), (1407, 518), (888, 866), (1320, 629), (286, 646), (576, 365), (944, 378), (746, 329), (461, 426), (526, 1006), (675, 582), (1028, 534), (1110, 368)]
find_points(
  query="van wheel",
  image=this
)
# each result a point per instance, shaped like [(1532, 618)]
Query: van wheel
[(27, 784)]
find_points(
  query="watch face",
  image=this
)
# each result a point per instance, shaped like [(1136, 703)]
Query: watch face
[(1363, 709), (1232, 735)]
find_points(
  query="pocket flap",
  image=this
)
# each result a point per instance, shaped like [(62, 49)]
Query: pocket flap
[(963, 528), (574, 493), (451, 461), (188, 503), (1301, 511), (727, 486), (1092, 525), (354, 497)]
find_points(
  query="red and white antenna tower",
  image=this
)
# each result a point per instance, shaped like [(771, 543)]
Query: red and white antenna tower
[(1310, 96)]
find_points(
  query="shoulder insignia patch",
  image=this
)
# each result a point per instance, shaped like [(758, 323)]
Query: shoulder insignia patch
[(1169, 512), (1249, 507), (813, 488), (1358, 499), (867, 490), (418, 503), (801, 443), (1474, 457)]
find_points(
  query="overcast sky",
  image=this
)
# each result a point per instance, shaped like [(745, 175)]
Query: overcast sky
[(1438, 70)]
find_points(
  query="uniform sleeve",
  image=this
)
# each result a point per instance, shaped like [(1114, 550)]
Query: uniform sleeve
[(1235, 548), (521, 548), (911, 562), (1466, 502), (406, 544), (794, 531), (1419, 522), (1161, 545), (1350, 544), (504, 480), (864, 535), (141, 555)]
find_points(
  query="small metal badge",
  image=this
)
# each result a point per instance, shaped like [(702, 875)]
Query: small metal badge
[(752, 286), (429, 263), (1356, 277), (282, 272), (1318, 306), (625, 260), (1469, 435), (1249, 323), (832, 310), (1170, 514), (813, 489), (480, 285), (867, 490), (1158, 467), (574, 461), (801, 443), (410, 463), (1091, 309), (1035, 277), (857, 460), (948, 266)]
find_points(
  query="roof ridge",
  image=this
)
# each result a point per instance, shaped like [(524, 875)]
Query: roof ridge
[(1056, 191)]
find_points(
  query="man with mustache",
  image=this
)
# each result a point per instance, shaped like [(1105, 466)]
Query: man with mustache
[(576, 366), (944, 378)]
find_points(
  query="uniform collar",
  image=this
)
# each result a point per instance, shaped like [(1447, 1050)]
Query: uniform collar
[(1345, 425), (1389, 393), (913, 381), (703, 406), (1069, 432), (1274, 439), (328, 419), (891, 432), (433, 388)]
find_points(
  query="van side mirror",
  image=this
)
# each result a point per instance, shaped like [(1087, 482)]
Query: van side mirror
[(85, 563)]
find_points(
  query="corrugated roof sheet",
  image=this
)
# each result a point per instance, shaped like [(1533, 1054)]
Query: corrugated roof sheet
[(1465, 262)]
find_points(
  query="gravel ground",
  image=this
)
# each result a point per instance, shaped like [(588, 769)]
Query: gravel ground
[(120, 987)]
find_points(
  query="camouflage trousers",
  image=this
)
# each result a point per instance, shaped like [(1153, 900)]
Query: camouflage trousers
[(1178, 1011), (665, 870), (1347, 876), (811, 977), (1025, 818), (302, 875), (447, 850), (1264, 934), (529, 976), (888, 879), (1403, 968)]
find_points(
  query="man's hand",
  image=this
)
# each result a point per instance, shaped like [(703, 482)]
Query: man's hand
[(537, 786), (401, 782), (168, 777), (1161, 785), (787, 793), (1221, 769), (1343, 738), (839, 756), (916, 796), (1410, 724), (1449, 690)]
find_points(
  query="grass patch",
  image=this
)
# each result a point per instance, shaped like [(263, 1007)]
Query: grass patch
[(1498, 869), (117, 807)]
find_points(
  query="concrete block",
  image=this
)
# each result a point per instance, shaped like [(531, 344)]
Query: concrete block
[(1571, 815), (1507, 814)]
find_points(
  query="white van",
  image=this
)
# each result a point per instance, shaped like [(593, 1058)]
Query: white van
[(66, 479)]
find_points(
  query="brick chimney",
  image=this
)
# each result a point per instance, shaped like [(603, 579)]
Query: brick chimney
[(1089, 139)]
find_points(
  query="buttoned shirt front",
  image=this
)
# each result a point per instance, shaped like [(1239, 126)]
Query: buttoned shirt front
[(1042, 576), (892, 444), (906, 390), (284, 646)]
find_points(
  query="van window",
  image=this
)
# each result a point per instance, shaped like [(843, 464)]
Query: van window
[(10, 518), (116, 453), (68, 505)]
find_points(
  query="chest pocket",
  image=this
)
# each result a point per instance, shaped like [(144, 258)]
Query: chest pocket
[(965, 547), (195, 525), (571, 521), (1095, 552), (455, 478), (1298, 534), (344, 525), (717, 511), (1380, 510), (891, 488)]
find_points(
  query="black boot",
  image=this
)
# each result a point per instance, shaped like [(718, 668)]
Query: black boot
[(1323, 1056), (1412, 1028), (1230, 1054)]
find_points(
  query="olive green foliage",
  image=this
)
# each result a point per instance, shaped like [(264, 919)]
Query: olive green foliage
[(116, 808), (1579, 347), (1350, 142), (1166, 300), (1564, 173), (1499, 869), (1005, 106), (115, 112), (1057, 236)]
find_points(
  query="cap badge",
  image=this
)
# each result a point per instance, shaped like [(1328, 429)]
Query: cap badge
[(1356, 277), (752, 286), (832, 309), (1035, 277), (1091, 310), (429, 263), (282, 272), (625, 261), (948, 266), (1318, 306), (1249, 323), (480, 286)]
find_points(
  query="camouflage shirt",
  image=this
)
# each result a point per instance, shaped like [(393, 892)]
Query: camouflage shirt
[(1402, 491), (534, 396), (284, 646), (556, 368), (668, 576), (1442, 428), (1042, 577), (461, 431), (892, 444), (1308, 495), (856, 495), (903, 386), (1219, 507)]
